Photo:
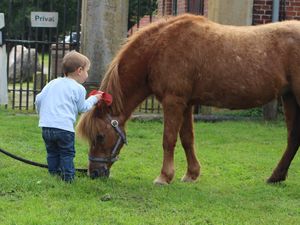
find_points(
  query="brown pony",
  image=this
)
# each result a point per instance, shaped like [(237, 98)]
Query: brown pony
[(186, 60)]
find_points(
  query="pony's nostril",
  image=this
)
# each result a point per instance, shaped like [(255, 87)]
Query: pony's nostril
[(107, 173), (104, 172), (101, 172)]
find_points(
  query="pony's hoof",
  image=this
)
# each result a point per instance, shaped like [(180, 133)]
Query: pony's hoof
[(273, 180), (160, 181), (188, 179), (277, 178)]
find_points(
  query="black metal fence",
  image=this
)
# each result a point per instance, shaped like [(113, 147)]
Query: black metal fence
[(34, 53)]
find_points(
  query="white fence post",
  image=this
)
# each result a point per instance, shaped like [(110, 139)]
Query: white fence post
[(3, 65)]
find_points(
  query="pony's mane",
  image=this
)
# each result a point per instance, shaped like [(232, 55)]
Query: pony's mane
[(85, 128), (111, 84), (111, 80)]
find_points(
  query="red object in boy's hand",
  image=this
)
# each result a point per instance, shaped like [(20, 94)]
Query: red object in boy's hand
[(107, 98)]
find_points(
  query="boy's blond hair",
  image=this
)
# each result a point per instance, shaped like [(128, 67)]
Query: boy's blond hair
[(72, 61)]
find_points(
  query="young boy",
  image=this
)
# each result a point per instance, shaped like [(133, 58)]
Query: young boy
[(58, 105)]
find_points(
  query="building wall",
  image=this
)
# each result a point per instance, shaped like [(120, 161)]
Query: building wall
[(262, 10), (181, 7), (206, 7), (165, 7), (292, 9)]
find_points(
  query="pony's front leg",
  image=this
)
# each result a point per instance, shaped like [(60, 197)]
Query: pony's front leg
[(173, 108), (187, 141)]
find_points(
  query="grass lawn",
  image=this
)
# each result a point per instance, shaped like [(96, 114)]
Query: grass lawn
[(236, 158)]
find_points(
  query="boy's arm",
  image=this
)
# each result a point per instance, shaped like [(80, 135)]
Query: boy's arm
[(86, 104)]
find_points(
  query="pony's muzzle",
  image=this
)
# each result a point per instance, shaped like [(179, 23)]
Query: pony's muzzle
[(99, 172)]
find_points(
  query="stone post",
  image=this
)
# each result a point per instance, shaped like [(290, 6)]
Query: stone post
[(231, 12), (104, 28)]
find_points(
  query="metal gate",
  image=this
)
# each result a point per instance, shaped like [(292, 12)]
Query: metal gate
[(34, 53)]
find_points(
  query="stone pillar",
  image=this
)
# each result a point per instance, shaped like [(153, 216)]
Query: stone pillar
[(104, 28), (233, 12)]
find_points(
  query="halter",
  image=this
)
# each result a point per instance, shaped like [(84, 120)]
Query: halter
[(116, 150)]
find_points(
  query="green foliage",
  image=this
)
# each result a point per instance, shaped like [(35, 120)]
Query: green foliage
[(17, 16), (253, 113), (236, 158), (249, 113)]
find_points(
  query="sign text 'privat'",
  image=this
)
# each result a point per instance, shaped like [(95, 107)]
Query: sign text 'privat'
[(44, 19)]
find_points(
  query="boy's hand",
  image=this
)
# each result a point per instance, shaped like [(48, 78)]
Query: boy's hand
[(107, 98), (98, 96)]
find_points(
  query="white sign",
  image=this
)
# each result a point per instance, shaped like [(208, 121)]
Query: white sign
[(44, 19), (2, 23)]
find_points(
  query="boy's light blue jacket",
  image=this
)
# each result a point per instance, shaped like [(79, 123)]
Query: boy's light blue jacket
[(60, 102)]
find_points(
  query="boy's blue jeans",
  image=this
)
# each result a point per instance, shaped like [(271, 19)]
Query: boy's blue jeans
[(60, 152)]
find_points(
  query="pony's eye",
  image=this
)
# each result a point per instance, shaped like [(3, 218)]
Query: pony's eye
[(100, 138)]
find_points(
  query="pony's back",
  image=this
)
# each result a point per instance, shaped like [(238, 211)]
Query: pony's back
[(220, 65)]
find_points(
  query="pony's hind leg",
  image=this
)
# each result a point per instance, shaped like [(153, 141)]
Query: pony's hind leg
[(187, 141), (173, 108), (292, 117)]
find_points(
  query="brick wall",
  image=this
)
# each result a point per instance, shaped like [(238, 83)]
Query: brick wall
[(165, 7), (292, 9), (205, 13), (262, 10), (181, 6)]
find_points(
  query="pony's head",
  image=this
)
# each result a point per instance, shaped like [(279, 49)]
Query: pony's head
[(105, 136), (101, 128)]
